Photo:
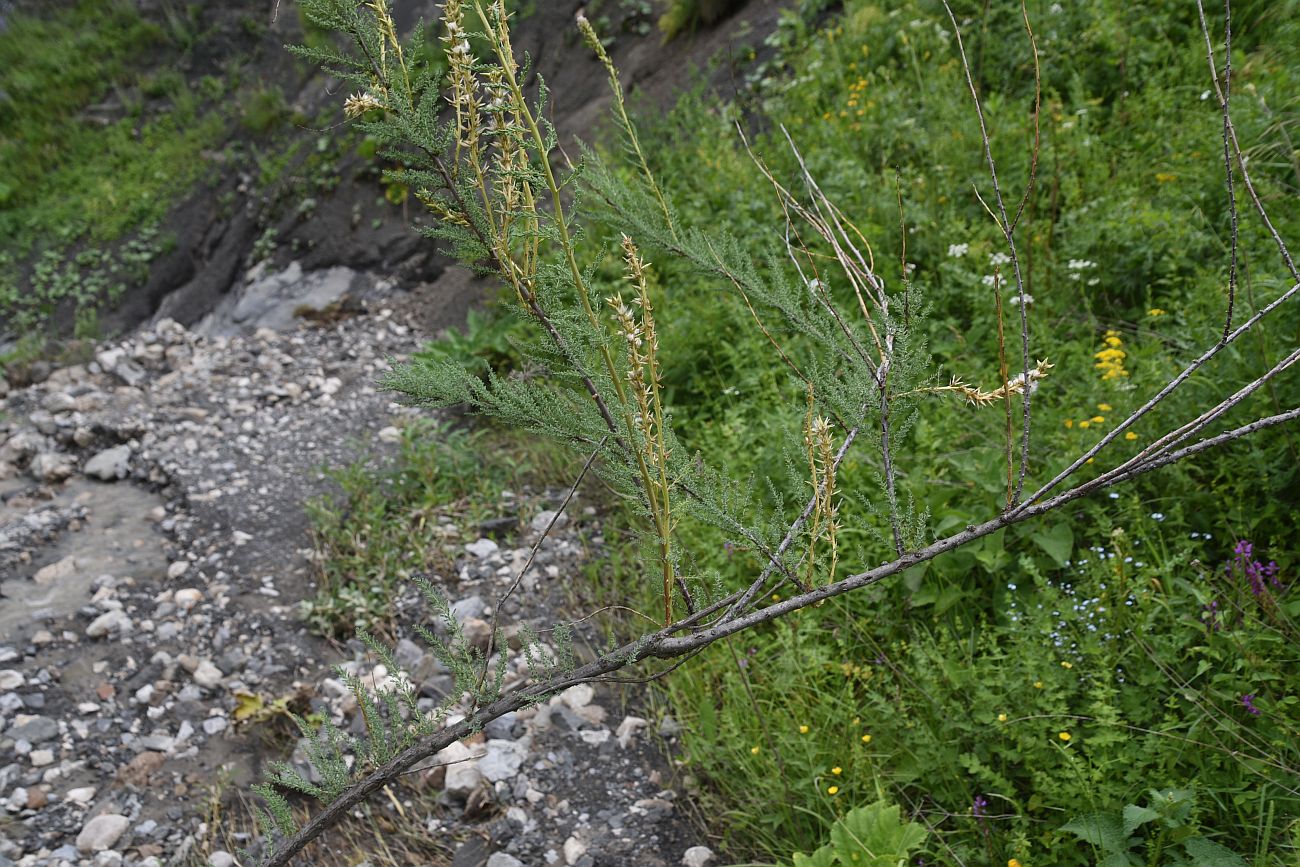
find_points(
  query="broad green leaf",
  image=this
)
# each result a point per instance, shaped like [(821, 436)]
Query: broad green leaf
[(1100, 829), (875, 836), (1057, 541), (823, 857), (1135, 817), (1120, 859), (1207, 853)]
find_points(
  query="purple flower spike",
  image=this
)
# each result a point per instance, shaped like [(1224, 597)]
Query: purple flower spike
[(1248, 702)]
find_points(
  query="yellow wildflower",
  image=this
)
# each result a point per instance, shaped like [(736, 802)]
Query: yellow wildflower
[(1099, 419), (803, 730), (1130, 436), (1013, 863), (1085, 424), (1069, 422), (1038, 684), (866, 739), (1066, 664), (1002, 717), (833, 790), (753, 751), (1110, 360), (837, 770), (1155, 311), (1105, 407), (1065, 736)]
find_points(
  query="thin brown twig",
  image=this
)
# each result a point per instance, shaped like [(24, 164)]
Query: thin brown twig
[(532, 555), (1008, 233)]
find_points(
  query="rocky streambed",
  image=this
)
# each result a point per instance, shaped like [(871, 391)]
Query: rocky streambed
[(153, 555)]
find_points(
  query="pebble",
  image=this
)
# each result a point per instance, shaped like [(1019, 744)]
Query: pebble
[(82, 795), (10, 679), (109, 621), (482, 548), (221, 859), (573, 850), (63, 569), (187, 597), (207, 675), (697, 856), (463, 775), (110, 464), (102, 832)]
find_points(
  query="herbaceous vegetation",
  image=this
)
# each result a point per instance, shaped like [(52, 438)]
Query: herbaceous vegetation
[(981, 263)]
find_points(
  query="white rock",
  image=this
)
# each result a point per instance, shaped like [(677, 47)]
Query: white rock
[(502, 759), (187, 597), (82, 795), (542, 520), (594, 738), (10, 679), (102, 832), (110, 464), (697, 856), (50, 467), (501, 859), (627, 729), (482, 548), (390, 434), (463, 775), (63, 569), (178, 569), (221, 859), (207, 674), (109, 621), (41, 758), (578, 696), (573, 850)]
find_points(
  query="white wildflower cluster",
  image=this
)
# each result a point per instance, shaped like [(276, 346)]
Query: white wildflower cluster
[(989, 279), (999, 259), (1015, 299), (1077, 267), (958, 250)]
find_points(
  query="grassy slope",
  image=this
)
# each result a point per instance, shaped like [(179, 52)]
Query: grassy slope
[(966, 676), (1052, 670)]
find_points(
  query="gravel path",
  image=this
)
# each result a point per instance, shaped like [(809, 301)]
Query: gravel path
[(153, 552)]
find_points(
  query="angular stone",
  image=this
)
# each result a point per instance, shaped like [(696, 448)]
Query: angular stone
[(59, 571), (482, 548), (109, 621), (50, 467), (110, 464), (35, 729), (502, 759), (697, 856), (102, 832), (463, 775), (207, 675)]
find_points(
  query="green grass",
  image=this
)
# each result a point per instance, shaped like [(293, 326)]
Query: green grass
[(389, 523), (1130, 181), (68, 180), (954, 686)]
